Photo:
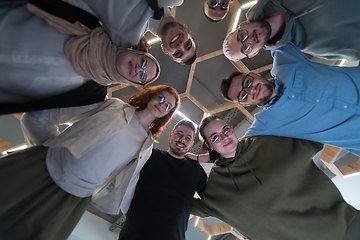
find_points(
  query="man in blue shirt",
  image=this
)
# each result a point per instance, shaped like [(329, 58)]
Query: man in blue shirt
[(305, 100)]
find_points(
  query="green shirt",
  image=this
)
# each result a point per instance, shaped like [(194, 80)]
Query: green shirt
[(296, 200)]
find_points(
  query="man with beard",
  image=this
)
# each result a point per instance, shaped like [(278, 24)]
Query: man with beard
[(323, 28), (126, 22), (163, 196), (305, 100)]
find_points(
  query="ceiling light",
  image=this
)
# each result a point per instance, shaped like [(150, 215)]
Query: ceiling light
[(23, 146), (196, 221), (342, 62), (236, 19), (154, 40), (249, 4), (186, 118)]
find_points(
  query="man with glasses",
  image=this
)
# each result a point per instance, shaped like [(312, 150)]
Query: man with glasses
[(216, 10), (126, 22), (322, 28), (305, 100), (163, 196)]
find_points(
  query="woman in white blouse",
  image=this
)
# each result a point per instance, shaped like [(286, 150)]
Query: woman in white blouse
[(47, 188)]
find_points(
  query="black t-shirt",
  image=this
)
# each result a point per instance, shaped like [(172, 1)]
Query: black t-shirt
[(163, 198)]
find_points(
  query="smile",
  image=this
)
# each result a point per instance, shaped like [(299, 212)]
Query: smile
[(256, 36), (175, 38)]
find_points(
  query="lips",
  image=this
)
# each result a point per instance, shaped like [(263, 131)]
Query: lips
[(256, 36), (158, 108), (179, 145), (173, 40)]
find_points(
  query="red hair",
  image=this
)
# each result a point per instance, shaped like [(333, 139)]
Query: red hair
[(141, 99)]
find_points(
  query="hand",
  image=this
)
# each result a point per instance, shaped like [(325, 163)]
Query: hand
[(142, 45)]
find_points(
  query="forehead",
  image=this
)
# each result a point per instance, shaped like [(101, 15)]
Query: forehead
[(168, 97), (185, 130), (236, 86), (234, 46), (215, 126)]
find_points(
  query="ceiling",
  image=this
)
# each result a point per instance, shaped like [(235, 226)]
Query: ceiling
[(199, 84)]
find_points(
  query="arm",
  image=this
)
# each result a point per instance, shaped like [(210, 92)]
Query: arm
[(40, 126), (142, 45), (199, 209), (202, 158)]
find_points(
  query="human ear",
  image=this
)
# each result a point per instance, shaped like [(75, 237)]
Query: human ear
[(253, 54), (163, 49), (254, 73), (170, 136), (186, 28)]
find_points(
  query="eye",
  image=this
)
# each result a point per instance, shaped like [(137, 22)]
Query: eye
[(188, 45), (243, 96), (213, 3), (249, 84), (225, 4), (215, 138), (161, 98), (226, 130), (246, 48), (188, 139), (167, 107), (243, 36)]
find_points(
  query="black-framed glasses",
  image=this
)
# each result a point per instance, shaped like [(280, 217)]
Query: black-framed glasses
[(248, 80), (242, 36), (227, 131), (223, 4), (162, 99), (142, 64)]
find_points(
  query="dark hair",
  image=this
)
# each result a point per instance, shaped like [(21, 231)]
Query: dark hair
[(141, 99), (204, 146), (192, 59), (225, 85), (186, 123)]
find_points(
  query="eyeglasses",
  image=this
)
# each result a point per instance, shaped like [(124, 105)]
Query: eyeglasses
[(241, 37), (162, 99), (248, 80), (143, 76), (223, 4), (227, 131)]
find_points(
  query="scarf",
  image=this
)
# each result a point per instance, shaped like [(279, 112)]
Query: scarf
[(91, 52)]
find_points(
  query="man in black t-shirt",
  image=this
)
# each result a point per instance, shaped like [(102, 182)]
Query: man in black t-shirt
[(163, 197)]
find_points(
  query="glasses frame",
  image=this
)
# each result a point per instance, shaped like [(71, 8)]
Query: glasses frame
[(247, 45), (216, 3), (243, 89), (168, 106), (226, 131), (142, 71)]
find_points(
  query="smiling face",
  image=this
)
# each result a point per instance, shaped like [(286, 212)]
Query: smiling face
[(216, 10), (177, 42), (161, 104), (260, 91), (226, 147), (180, 141), (130, 67), (258, 34)]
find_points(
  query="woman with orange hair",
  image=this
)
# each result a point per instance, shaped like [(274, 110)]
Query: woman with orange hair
[(96, 159)]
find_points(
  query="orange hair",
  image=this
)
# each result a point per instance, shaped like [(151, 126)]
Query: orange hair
[(141, 99)]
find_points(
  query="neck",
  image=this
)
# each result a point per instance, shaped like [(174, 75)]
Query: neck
[(277, 23), (175, 156), (162, 24), (145, 118)]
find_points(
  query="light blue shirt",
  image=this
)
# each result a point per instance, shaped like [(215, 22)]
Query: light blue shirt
[(319, 102)]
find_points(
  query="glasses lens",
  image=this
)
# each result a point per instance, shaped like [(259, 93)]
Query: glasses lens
[(225, 5), (215, 138), (167, 107), (247, 48), (142, 78), (161, 98)]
